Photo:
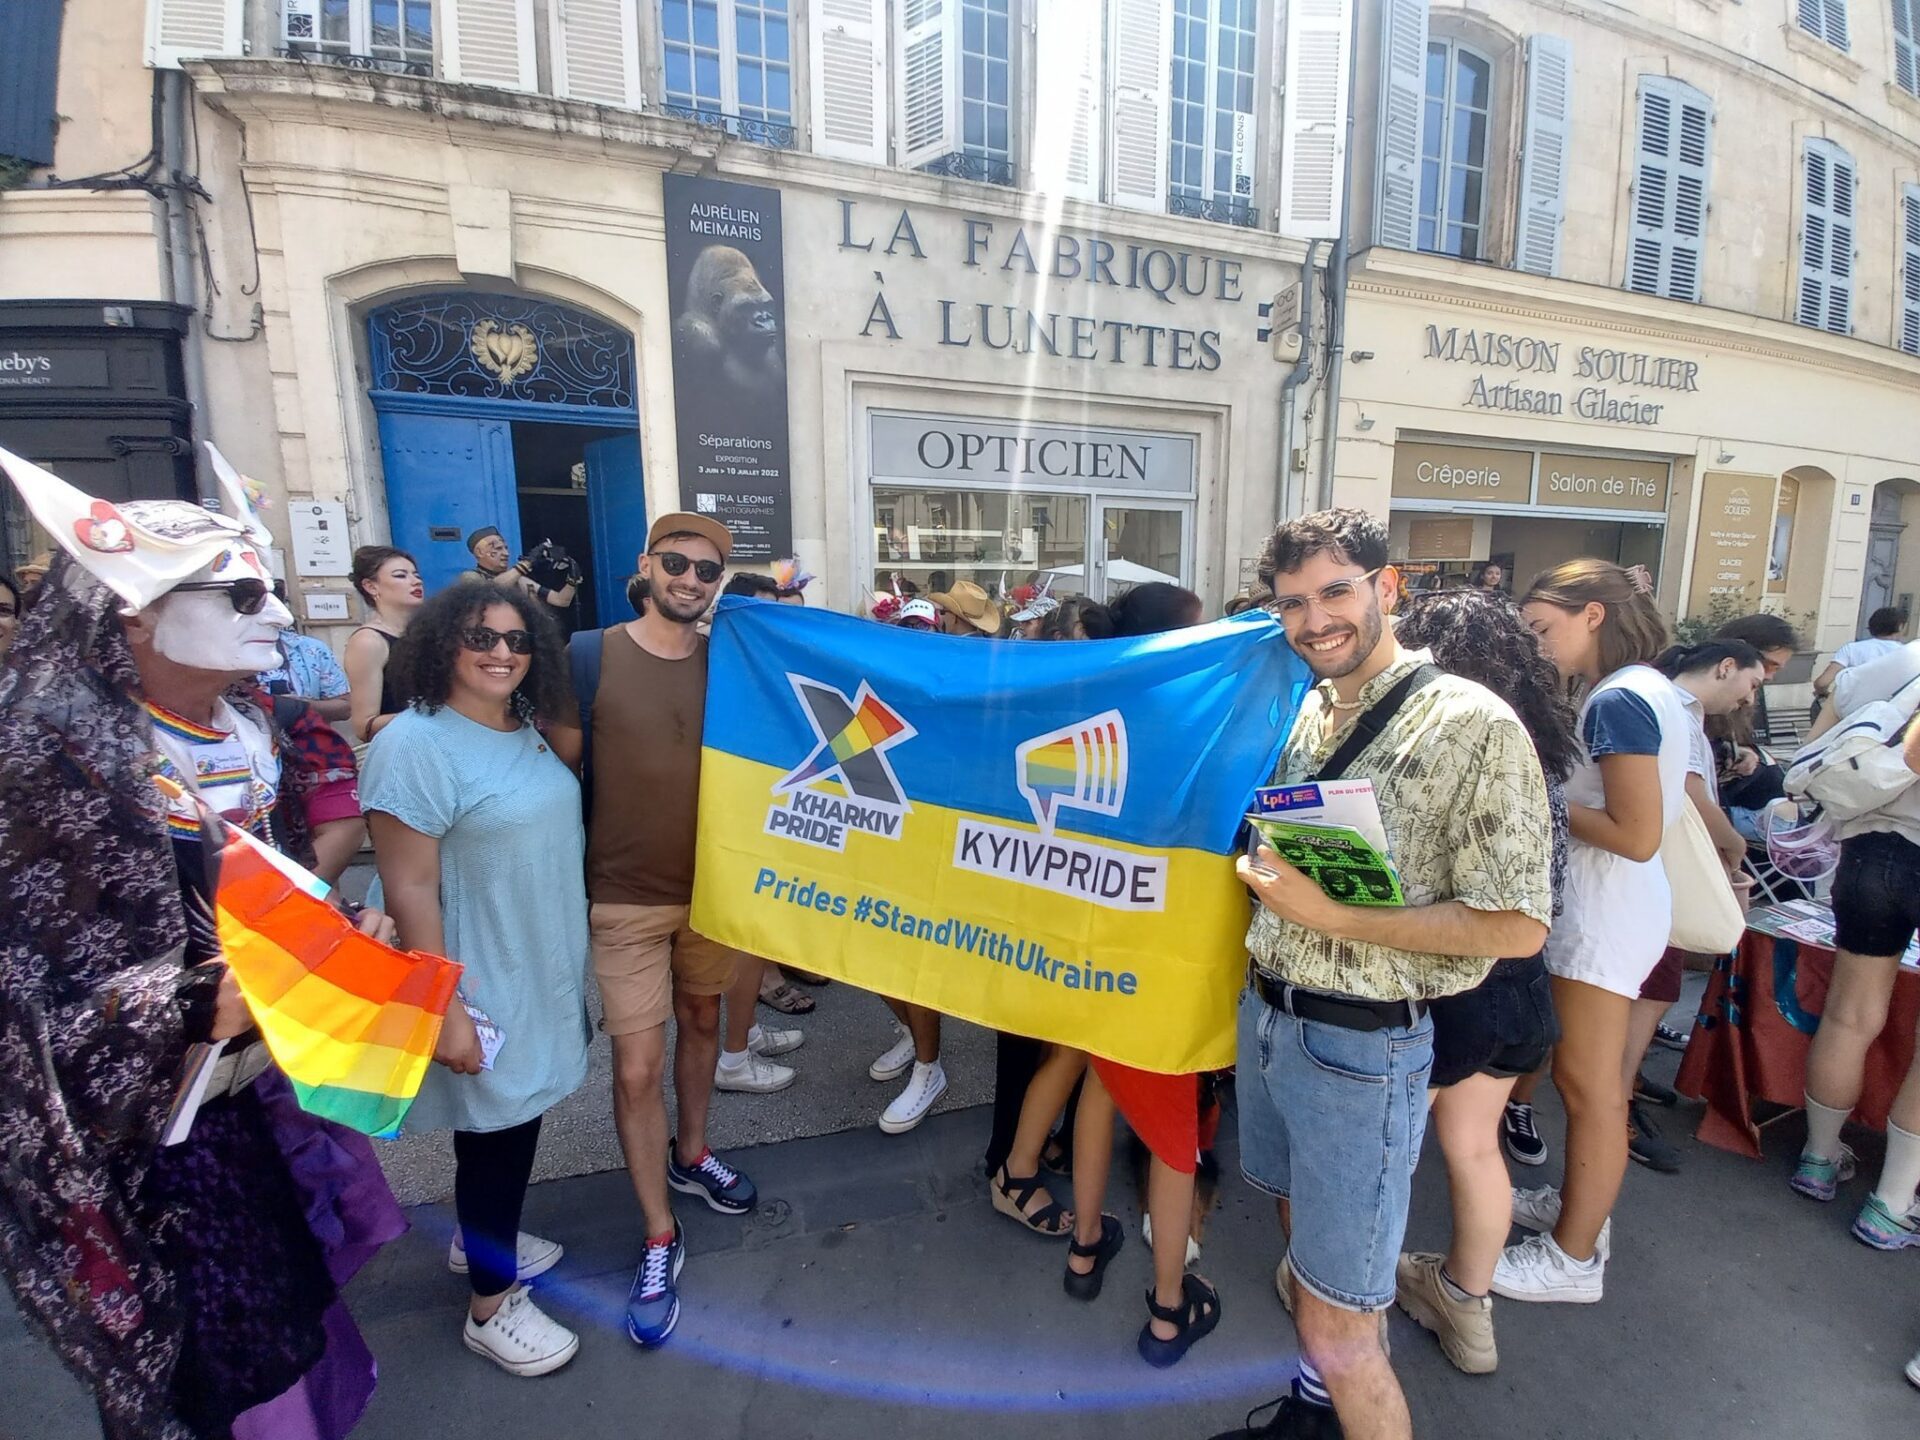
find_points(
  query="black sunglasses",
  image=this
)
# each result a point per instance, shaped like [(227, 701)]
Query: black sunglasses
[(674, 563), (481, 640), (248, 597)]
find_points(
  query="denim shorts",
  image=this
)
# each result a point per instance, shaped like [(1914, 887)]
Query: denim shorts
[(1503, 1026), (1332, 1120), (1876, 893)]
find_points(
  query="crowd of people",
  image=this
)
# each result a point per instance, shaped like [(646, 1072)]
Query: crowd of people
[(1529, 757)]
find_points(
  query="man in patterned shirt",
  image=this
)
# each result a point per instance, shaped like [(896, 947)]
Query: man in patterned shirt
[(1335, 1042)]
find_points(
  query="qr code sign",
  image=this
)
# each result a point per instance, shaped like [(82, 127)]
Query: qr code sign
[(706, 504)]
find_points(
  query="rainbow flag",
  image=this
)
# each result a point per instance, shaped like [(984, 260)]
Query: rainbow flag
[(351, 1022)]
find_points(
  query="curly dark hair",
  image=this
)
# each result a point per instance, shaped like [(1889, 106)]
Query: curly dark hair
[(1481, 636), (424, 656), (1353, 535)]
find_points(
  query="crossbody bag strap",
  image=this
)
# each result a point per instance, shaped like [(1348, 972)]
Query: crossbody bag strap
[(1378, 716)]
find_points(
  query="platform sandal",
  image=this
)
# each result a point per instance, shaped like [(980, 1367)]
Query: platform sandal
[(1196, 1317), (1011, 1196), (1112, 1236)]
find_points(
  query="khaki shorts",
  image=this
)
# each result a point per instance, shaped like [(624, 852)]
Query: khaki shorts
[(642, 953)]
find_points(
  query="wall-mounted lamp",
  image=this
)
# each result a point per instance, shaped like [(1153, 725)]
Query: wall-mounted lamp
[(1365, 422), (1725, 457), (1359, 357)]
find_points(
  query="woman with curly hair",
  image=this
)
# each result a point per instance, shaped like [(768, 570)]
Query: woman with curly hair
[(477, 835), (1486, 1038)]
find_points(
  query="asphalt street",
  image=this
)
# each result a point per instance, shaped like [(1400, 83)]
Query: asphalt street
[(876, 1294)]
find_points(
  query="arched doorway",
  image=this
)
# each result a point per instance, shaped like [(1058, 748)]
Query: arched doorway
[(517, 413), (1890, 571)]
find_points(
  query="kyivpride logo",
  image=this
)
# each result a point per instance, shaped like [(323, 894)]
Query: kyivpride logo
[(847, 781), (1082, 766)]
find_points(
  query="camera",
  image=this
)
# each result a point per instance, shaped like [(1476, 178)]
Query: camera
[(551, 566)]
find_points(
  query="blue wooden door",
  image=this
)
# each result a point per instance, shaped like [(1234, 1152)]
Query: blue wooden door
[(447, 476), (617, 498)]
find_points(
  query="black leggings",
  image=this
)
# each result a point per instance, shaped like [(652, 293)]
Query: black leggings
[(1016, 1059), (490, 1173)]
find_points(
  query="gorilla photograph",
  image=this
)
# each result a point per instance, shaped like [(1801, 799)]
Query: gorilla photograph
[(728, 332)]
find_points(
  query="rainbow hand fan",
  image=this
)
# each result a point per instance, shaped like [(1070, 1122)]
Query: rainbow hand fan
[(350, 1021)]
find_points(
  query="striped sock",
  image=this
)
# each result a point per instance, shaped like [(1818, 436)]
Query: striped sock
[(1310, 1388)]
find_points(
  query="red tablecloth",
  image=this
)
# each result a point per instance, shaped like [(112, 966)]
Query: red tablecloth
[(1755, 1026)]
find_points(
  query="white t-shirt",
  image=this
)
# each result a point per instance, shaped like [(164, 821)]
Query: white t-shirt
[(1619, 912), (1877, 679), (1860, 652)]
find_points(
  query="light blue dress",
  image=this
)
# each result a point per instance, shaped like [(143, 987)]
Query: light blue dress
[(513, 902)]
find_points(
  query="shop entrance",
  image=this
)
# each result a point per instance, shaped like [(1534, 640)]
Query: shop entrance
[(497, 410)]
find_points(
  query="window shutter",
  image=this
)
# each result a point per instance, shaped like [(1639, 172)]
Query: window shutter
[(29, 80), (1906, 45), (847, 42), (488, 42), (1825, 18), (1909, 249), (1141, 44), (1403, 81), (1543, 156), (1313, 160), (192, 29), (1826, 239), (926, 81), (595, 46), (1672, 161), (1069, 88)]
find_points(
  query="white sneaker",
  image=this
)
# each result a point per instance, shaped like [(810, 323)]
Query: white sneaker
[(1913, 1370), (911, 1105), (1538, 1269), (765, 1040), (1539, 1209), (533, 1256), (896, 1061), (752, 1076), (521, 1338)]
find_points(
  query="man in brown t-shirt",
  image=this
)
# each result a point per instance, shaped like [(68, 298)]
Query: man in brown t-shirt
[(646, 717)]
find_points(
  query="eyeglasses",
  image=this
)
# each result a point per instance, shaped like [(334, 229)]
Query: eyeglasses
[(1337, 596), (674, 563), (481, 640), (248, 597)]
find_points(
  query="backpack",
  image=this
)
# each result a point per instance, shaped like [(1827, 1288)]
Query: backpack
[(584, 653), (1857, 767)]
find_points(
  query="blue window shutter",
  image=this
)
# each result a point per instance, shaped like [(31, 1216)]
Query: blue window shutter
[(1543, 155), (29, 79), (1906, 45), (1673, 158), (1825, 298), (1909, 251), (1403, 89)]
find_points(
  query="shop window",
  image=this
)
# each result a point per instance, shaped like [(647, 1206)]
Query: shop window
[(368, 34), (1453, 149), (1906, 45), (1669, 189), (1211, 115), (1826, 238), (1824, 20), (925, 539), (1909, 251), (729, 63)]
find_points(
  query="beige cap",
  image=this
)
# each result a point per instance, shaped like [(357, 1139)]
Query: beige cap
[(685, 522), (971, 604)]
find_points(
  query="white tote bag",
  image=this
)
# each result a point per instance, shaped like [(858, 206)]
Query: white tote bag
[(1706, 916)]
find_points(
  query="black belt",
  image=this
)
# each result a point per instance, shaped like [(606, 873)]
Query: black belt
[(1346, 1011)]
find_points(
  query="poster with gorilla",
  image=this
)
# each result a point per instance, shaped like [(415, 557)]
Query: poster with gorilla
[(727, 291)]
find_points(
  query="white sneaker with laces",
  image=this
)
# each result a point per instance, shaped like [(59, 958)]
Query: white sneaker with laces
[(767, 1041), (896, 1060), (1913, 1370), (1539, 1209), (1538, 1269), (533, 1256), (911, 1105), (752, 1076), (521, 1338)]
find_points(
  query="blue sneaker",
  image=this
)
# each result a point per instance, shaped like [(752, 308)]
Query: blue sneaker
[(653, 1304), (1883, 1230), (1819, 1179), (721, 1186)]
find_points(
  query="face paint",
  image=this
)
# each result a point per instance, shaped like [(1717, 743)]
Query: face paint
[(201, 630)]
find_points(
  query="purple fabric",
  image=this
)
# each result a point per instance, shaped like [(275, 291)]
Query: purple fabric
[(329, 1399)]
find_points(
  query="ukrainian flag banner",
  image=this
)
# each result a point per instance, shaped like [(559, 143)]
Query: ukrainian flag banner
[(1035, 836)]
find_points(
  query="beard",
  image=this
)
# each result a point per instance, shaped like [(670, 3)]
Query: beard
[(681, 612), (1367, 632)]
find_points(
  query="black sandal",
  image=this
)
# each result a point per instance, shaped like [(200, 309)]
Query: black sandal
[(1112, 1236), (1056, 1157), (1196, 1319), (1013, 1193)]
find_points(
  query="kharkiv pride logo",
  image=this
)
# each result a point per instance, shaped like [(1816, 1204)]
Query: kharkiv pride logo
[(1082, 766), (847, 782)]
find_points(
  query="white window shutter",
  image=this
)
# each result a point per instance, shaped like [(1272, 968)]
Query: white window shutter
[(1313, 158), (595, 45), (847, 41), (1673, 158), (1909, 251), (1826, 238), (1403, 87), (1543, 155), (1906, 45), (192, 29), (1069, 94), (1140, 40), (488, 42), (926, 81)]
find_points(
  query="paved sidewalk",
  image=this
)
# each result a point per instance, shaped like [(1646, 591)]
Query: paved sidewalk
[(875, 1294)]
